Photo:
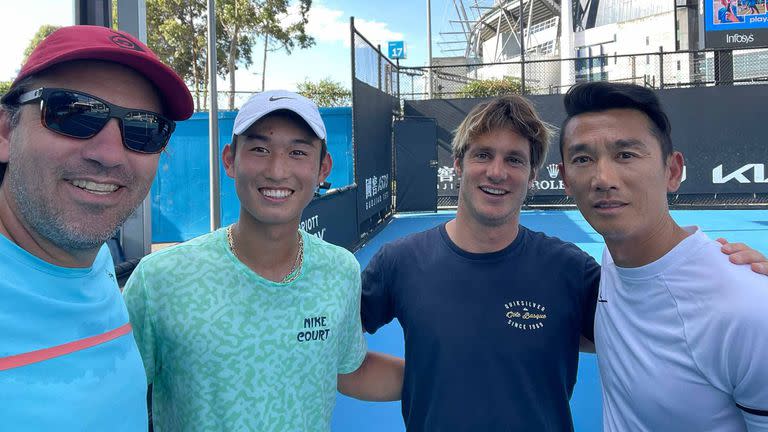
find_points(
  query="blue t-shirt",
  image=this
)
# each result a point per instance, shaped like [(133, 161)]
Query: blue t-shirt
[(98, 388), (491, 340)]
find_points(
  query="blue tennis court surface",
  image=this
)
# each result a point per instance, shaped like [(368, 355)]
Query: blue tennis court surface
[(748, 226)]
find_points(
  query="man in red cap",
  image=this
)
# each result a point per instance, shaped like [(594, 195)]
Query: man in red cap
[(81, 130)]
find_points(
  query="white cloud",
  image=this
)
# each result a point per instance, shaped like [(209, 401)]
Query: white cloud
[(331, 25), (21, 23), (377, 32)]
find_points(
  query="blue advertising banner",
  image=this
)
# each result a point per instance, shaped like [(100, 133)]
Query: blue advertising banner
[(735, 23)]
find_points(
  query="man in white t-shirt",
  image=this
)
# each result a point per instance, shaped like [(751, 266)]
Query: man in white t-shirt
[(680, 332)]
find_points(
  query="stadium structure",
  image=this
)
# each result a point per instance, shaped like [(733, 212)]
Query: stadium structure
[(567, 41)]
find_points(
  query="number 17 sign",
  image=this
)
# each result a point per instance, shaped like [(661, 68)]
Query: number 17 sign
[(396, 50)]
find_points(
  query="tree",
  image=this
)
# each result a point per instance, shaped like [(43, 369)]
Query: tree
[(4, 87), (280, 34), (239, 20), (177, 32), (491, 87), (325, 93), (42, 33)]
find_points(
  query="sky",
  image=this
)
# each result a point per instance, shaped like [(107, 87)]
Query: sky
[(379, 21)]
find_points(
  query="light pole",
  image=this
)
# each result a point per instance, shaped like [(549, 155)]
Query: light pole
[(429, 47), (213, 121)]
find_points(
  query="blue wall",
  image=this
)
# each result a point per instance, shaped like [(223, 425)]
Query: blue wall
[(180, 201)]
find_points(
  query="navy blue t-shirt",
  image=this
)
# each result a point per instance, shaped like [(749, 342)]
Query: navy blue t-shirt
[(491, 340)]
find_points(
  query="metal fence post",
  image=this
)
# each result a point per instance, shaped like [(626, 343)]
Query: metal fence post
[(661, 67), (522, 47), (378, 64), (354, 105), (397, 68), (724, 67), (213, 123)]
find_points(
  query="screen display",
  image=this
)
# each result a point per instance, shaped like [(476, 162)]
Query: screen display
[(735, 23)]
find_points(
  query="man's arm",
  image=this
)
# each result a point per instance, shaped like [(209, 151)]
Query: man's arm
[(589, 303), (135, 296), (756, 420), (379, 378), (744, 354), (377, 305), (726, 338), (739, 253), (362, 374)]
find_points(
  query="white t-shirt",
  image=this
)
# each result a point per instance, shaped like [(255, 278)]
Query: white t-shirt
[(682, 342)]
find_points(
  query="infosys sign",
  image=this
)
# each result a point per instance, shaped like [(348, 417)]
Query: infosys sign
[(735, 24)]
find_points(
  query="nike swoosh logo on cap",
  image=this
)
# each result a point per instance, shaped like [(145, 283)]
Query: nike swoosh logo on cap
[(272, 98)]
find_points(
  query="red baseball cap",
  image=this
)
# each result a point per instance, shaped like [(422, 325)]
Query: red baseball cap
[(84, 42)]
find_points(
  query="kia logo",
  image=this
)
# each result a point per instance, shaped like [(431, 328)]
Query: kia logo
[(758, 174)]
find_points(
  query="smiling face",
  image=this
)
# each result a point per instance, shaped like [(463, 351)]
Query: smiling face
[(276, 166), (614, 169), (74, 193), (495, 175)]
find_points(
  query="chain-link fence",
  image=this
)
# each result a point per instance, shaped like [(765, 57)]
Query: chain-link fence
[(737, 201), (541, 75), (553, 76), (371, 66), (201, 100)]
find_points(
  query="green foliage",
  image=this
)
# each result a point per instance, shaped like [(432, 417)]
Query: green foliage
[(326, 93), (283, 30), (274, 20), (491, 87), (239, 21), (41, 34), (177, 32), (4, 87)]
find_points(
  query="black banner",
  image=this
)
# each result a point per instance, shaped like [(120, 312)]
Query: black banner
[(719, 130), (372, 136), (449, 113), (333, 217), (721, 133), (736, 39), (415, 167)]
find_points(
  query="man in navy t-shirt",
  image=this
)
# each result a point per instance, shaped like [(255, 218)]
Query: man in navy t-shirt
[(493, 314)]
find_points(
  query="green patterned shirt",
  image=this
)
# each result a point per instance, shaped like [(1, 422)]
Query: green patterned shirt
[(227, 350)]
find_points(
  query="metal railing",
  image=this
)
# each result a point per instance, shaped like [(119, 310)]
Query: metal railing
[(658, 70), (371, 66)]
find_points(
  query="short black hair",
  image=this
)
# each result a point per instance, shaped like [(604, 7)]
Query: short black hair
[(12, 111), (602, 95), (10, 105)]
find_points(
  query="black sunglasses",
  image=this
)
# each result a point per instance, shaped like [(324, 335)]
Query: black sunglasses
[(79, 115)]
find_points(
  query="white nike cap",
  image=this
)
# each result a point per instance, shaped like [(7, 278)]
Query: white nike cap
[(261, 104)]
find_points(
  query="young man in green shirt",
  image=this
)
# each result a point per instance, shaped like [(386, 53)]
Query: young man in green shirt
[(255, 326)]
